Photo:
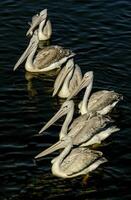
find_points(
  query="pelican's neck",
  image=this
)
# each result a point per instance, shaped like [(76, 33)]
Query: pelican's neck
[(56, 167), (29, 65), (83, 109), (64, 92), (41, 30), (66, 123)]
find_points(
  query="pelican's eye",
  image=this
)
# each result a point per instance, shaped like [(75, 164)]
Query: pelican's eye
[(86, 75)]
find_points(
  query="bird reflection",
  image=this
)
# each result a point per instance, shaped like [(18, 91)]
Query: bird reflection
[(30, 88), (31, 77)]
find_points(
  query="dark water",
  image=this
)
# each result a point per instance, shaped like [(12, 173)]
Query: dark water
[(100, 33)]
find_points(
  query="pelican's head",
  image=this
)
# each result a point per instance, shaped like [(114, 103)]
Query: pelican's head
[(43, 13), (65, 108), (31, 47), (86, 80), (36, 20), (68, 68)]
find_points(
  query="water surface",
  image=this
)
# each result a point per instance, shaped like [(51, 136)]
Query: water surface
[(99, 32)]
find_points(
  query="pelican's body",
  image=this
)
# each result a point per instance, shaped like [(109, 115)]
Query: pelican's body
[(76, 162), (67, 80), (47, 59), (102, 101)]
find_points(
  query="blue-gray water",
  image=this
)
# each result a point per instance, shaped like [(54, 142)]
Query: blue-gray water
[(99, 32)]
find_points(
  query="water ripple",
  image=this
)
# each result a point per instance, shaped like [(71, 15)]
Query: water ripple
[(99, 33)]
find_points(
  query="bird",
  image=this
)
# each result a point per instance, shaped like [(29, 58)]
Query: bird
[(48, 58), (75, 162), (102, 101), (93, 130), (68, 79), (42, 24), (68, 107)]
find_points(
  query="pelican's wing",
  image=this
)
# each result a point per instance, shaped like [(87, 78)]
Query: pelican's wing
[(103, 99), (76, 79), (92, 126), (96, 96), (77, 128), (79, 159), (45, 57), (50, 55)]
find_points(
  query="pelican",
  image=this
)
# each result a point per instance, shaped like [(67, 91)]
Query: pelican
[(46, 59), (67, 108), (102, 101), (75, 162), (68, 79), (43, 24), (93, 130)]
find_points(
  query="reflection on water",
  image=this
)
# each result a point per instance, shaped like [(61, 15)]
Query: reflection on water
[(99, 33), (44, 77)]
